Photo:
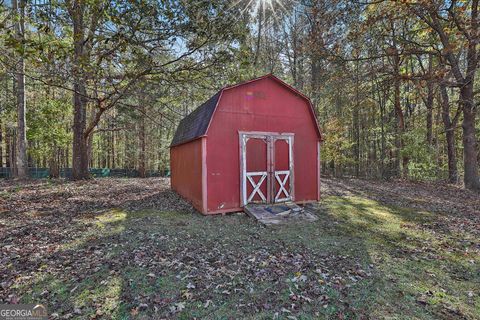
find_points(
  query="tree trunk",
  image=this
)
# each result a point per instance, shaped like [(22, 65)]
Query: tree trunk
[(466, 85), (90, 141), (21, 145), (67, 157), (259, 37), (398, 107), (400, 129), (8, 152), (12, 152), (54, 163), (470, 160), (449, 135), (452, 157), (332, 168), (80, 141), (112, 149), (356, 121), (141, 158), (429, 101), (470, 178), (381, 100), (1, 144), (429, 106)]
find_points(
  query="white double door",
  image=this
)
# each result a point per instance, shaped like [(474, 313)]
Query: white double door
[(266, 167)]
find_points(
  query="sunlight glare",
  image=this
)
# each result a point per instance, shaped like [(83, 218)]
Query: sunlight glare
[(260, 7)]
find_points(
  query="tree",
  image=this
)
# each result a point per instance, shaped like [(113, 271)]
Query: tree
[(48, 132), (116, 50), (21, 150), (389, 80), (456, 25), (449, 125)]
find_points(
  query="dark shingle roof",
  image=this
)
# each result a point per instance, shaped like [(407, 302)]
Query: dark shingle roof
[(196, 123)]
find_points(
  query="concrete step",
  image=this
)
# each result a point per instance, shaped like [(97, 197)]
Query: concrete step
[(279, 213)]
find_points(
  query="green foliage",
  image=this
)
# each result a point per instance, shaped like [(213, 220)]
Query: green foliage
[(156, 61), (423, 157), (49, 126), (336, 145)]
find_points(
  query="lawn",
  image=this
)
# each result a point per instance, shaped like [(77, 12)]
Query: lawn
[(131, 248)]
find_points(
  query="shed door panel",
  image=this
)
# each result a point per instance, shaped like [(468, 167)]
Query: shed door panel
[(256, 170), (282, 172), (256, 154)]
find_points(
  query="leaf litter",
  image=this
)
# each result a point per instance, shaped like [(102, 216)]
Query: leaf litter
[(132, 247)]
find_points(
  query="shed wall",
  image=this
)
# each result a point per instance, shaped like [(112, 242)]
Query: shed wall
[(186, 171), (266, 106)]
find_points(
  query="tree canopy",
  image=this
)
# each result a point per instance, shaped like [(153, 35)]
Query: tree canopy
[(393, 83)]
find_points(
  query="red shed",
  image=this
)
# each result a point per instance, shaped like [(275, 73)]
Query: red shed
[(254, 142)]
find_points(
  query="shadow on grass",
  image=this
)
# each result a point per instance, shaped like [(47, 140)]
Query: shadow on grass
[(424, 273), (168, 264), (361, 259)]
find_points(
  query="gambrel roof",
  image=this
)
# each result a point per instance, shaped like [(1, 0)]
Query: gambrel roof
[(196, 124)]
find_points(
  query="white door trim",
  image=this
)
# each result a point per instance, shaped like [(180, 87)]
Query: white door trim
[(270, 175)]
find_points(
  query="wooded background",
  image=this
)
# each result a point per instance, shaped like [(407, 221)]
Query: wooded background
[(104, 84)]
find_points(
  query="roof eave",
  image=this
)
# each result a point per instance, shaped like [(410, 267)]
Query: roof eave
[(187, 141)]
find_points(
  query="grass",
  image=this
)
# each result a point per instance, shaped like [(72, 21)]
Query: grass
[(361, 259), (424, 272)]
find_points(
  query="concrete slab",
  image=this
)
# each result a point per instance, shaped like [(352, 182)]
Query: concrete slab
[(280, 213)]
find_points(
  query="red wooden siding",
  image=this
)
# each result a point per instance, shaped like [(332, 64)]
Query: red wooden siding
[(264, 105), (186, 171)]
